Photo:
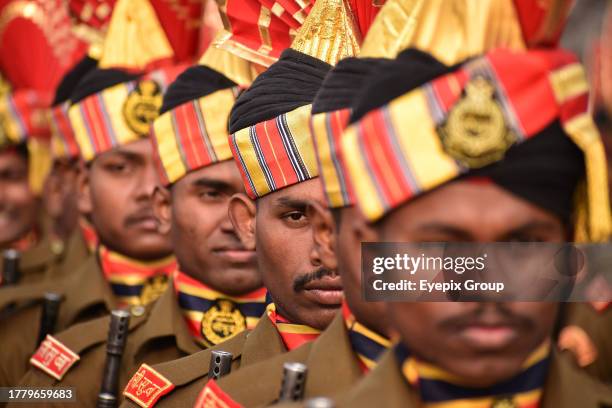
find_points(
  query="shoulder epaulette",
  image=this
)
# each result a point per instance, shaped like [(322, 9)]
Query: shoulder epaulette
[(212, 396), (147, 386), (54, 358)]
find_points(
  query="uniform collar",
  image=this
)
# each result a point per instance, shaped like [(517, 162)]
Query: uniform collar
[(132, 281), (367, 344), (85, 290), (293, 335), (262, 343), (165, 320), (332, 346), (212, 316), (566, 386)]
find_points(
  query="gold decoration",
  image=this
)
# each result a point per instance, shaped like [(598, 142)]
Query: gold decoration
[(142, 106), (153, 289), (235, 68), (475, 132), (505, 402), (450, 30), (329, 33), (222, 321), (135, 37)]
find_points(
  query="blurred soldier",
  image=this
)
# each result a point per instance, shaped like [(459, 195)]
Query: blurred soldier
[(518, 189), (110, 114), (217, 292), (24, 162)]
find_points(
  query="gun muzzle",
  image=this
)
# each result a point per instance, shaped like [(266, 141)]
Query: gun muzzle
[(50, 312), (319, 402), (117, 338), (10, 267), (294, 379), (220, 364)]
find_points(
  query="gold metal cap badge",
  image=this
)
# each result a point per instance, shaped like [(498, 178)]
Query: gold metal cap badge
[(222, 321), (475, 132), (142, 106)]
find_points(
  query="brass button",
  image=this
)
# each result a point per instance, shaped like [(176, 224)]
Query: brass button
[(137, 310)]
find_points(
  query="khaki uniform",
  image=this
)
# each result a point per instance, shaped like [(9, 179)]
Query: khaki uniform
[(333, 369), (598, 328), (49, 258), (157, 334), (86, 296), (566, 387), (190, 374)]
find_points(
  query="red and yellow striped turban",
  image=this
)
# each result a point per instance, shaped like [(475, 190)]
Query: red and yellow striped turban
[(483, 117)]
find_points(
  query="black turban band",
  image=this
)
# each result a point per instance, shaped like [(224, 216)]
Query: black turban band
[(289, 83), (72, 78), (98, 80), (193, 83), (343, 82), (543, 170)]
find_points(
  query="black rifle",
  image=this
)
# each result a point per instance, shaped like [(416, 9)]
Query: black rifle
[(50, 312), (10, 267), (294, 378), (220, 364), (117, 338)]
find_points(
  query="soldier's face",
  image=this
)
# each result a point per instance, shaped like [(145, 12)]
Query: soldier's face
[(484, 343), (116, 193), (303, 290), (204, 240), (18, 205), (337, 246)]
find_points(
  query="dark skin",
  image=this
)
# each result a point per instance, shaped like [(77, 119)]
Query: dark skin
[(60, 196), (278, 228), (116, 194), (338, 240), (195, 214), (18, 204), (483, 343)]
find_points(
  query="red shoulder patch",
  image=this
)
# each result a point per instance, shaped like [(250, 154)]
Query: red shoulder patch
[(54, 358), (147, 386), (212, 396)]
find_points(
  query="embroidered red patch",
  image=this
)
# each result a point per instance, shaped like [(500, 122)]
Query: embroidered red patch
[(147, 386), (212, 396), (54, 358)]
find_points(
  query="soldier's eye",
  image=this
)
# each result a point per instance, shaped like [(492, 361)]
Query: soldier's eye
[(295, 219)]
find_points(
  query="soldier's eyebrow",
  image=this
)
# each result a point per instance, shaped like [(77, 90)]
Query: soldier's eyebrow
[(127, 155), (291, 203), (455, 232), (533, 226), (210, 183)]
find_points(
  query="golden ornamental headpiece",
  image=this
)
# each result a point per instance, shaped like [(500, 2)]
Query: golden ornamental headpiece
[(450, 30), (329, 33), (135, 37)]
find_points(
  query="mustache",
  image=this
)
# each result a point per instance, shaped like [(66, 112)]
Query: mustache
[(138, 216), (301, 281), (483, 315)]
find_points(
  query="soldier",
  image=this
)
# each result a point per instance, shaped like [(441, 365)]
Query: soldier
[(110, 114), (496, 354), (61, 184), (359, 335), (216, 292), (24, 135), (280, 177)]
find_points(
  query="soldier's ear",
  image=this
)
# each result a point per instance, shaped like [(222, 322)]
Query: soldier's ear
[(162, 207), (84, 203), (242, 212), (323, 234)]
